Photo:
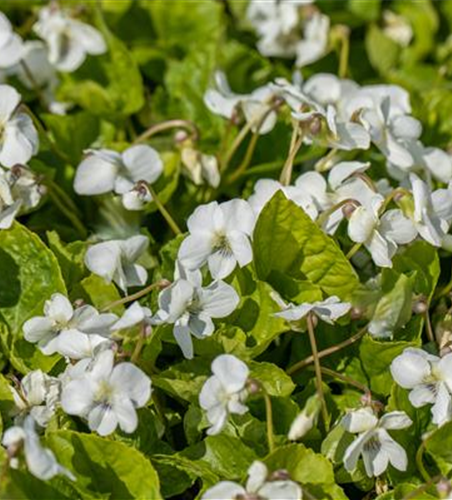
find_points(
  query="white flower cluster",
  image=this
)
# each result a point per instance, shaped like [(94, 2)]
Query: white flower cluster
[(290, 29)]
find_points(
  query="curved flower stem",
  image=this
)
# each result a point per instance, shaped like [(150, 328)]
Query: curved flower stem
[(420, 464), (325, 214), (295, 145), (428, 327), (323, 164), (224, 162), (269, 417), (326, 352), (252, 144), (422, 488), (246, 160), (61, 193), (353, 250), (344, 54), (40, 127), (135, 296), (317, 367), (69, 214), (166, 215), (347, 380), (138, 346), (168, 125)]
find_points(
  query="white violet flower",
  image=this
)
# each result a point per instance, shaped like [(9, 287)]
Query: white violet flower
[(69, 40), (374, 442), (74, 333), (219, 236), (107, 395), (225, 391), (127, 174), (429, 379), (190, 307), (41, 462), (18, 136), (114, 260), (260, 484), (328, 310)]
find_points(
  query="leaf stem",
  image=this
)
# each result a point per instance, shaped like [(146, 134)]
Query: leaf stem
[(347, 380), (166, 215), (295, 145), (420, 464), (37, 123), (239, 138), (428, 327), (345, 52), (68, 213), (317, 367), (137, 295), (269, 418), (138, 346), (167, 125), (353, 250), (326, 352)]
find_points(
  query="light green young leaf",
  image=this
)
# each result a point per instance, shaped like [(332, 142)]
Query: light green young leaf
[(286, 240), (29, 275), (103, 466), (273, 379)]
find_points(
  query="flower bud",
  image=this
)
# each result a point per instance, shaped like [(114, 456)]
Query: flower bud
[(348, 209), (279, 475), (356, 312), (78, 303), (315, 126), (253, 386), (420, 305), (164, 283), (444, 488), (180, 136)]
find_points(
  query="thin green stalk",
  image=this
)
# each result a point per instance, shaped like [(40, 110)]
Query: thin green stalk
[(353, 250), (326, 352), (61, 193), (224, 162), (345, 53), (136, 295), (347, 380), (138, 346), (295, 145), (40, 127), (170, 124), (428, 327), (420, 464), (166, 215), (318, 369), (78, 225), (269, 418), (246, 160)]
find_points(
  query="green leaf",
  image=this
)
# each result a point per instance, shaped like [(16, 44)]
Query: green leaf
[(383, 52), (274, 380), (422, 258), (303, 464), (184, 380), (96, 291), (369, 10), (70, 258), (73, 133), (29, 275), (393, 309), (439, 446), (376, 357), (286, 240), (103, 466), (226, 456)]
